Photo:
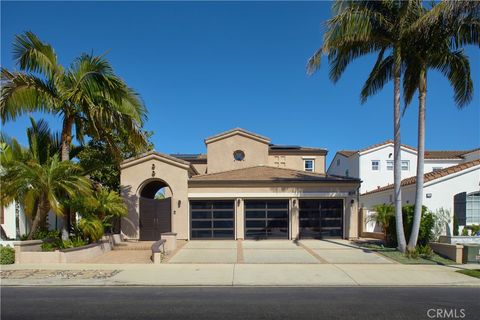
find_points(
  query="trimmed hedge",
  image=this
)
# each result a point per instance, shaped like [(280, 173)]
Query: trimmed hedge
[(425, 233)]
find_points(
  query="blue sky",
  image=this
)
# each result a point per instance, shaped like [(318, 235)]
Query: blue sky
[(205, 67)]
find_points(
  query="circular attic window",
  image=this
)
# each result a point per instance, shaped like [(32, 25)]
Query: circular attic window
[(239, 155)]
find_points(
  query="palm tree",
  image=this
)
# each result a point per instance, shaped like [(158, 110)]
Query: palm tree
[(359, 28), (436, 39), (88, 96), (383, 214), (38, 180)]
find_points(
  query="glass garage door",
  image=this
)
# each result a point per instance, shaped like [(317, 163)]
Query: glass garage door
[(266, 219), (212, 219), (321, 218)]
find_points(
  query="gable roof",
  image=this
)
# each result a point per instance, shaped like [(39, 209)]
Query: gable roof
[(429, 154), (268, 174), (236, 131), (430, 176)]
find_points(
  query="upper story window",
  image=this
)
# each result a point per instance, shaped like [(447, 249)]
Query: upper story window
[(375, 165), (279, 161), (390, 165), (309, 165), (405, 165), (239, 155)]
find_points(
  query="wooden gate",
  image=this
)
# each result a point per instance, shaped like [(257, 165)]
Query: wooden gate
[(155, 218)]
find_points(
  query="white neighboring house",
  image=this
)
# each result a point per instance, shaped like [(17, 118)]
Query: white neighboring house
[(374, 165), (13, 223), (456, 189)]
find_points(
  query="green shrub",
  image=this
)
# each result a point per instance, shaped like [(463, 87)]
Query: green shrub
[(7, 255), (412, 254), (425, 251), (425, 233), (474, 228), (43, 234)]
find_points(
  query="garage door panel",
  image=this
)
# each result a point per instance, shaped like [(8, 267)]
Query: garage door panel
[(266, 219), (212, 219), (321, 218)]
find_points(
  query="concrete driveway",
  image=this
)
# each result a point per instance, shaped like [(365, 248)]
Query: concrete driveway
[(275, 252)]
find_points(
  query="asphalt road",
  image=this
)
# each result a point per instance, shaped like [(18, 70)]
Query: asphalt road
[(238, 303)]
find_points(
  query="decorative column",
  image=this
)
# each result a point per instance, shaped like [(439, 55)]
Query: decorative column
[(239, 219), (294, 219)]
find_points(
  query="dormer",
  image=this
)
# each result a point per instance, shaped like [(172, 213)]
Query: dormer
[(236, 149)]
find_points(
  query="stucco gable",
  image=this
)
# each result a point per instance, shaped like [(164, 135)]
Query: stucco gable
[(154, 155), (237, 131)]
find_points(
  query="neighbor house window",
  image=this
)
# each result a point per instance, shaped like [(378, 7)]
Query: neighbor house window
[(473, 208), (309, 165), (390, 165), (338, 162), (375, 165), (405, 165)]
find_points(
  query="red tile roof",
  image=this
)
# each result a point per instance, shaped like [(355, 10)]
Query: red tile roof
[(431, 175), (429, 154)]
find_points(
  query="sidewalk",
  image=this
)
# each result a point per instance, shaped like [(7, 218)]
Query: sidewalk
[(233, 275)]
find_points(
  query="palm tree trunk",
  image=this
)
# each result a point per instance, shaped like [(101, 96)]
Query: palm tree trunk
[(417, 215), (42, 210), (66, 142), (66, 137), (397, 158)]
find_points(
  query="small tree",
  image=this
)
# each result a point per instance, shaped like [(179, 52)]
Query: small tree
[(441, 221), (383, 214)]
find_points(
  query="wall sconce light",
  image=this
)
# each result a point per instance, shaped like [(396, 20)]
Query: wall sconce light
[(179, 203), (352, 201), (238, 202), (429, 195), (294, 202)]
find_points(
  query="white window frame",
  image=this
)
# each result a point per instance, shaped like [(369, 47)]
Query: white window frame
[(305, 165), (408, 165), (378, 165), (390, 165)]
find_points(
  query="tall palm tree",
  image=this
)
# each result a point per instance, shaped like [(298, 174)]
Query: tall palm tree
[(88, 96), (38, 180), (359, 28), (436, 39)]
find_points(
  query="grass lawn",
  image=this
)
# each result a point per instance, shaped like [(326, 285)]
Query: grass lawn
[(472, 273), (393, 254)]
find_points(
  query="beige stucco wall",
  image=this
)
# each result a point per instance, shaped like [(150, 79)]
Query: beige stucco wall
[(296, 162), (220, 153), (135, 175), (200, 167)]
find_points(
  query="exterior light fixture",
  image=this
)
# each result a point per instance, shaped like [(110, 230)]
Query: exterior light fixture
[(238, 202), (429, 195), (352, 201), (179, 203)]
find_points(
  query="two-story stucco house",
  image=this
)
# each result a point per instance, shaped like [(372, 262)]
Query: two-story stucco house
[(374, 165), (244, 187)]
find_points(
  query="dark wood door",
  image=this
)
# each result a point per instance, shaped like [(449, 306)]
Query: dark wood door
[(155, 218)]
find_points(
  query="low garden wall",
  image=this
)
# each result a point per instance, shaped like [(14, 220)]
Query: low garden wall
[(373, 235), (459, 239), (31, 252), (451, 251)]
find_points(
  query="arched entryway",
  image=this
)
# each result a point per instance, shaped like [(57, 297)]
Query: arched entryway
[(155, 204)]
